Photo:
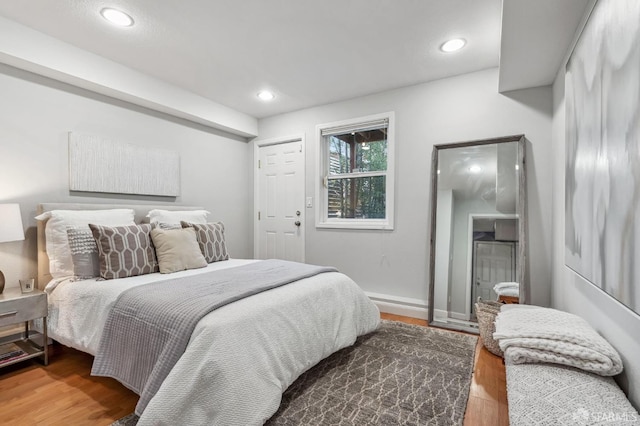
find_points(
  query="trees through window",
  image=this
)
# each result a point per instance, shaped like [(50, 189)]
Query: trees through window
[(357, 165)]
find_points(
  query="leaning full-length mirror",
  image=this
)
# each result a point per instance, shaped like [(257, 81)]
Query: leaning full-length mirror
[(478, 224)]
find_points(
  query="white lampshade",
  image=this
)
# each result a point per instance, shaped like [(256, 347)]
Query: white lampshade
[(10, 223)]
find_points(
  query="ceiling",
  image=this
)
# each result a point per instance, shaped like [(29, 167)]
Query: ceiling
[(311, 52)]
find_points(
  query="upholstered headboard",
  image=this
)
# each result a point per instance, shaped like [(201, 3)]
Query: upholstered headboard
[(140, 210)]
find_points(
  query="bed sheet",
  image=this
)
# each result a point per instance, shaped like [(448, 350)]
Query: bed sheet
[(243, 356), (78, 309)]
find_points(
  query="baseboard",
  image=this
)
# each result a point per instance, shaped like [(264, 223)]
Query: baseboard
[(405, 306), (441, 313), (459, 316)]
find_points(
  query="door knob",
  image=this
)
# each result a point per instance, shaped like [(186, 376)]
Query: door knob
[(296, 223)]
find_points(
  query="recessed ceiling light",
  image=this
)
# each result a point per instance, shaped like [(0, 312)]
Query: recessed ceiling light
[(266, 95), (116, 17), (453, 45), (475, 169)]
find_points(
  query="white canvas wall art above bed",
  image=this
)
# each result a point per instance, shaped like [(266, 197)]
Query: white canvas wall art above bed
[(102, 164), (241, 357)]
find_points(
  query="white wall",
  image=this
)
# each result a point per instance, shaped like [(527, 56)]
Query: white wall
[(455, 109), (37, 113), (570, 292)]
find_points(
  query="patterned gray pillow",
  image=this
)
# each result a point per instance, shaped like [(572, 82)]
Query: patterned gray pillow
[(84, 252), (124, 251), (210, 239)]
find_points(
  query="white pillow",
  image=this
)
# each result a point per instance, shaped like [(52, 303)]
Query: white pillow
[(174, 217), (60, 262)]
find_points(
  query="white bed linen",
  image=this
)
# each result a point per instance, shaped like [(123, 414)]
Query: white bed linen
[(262, 344), (242, 356), (78, 309)]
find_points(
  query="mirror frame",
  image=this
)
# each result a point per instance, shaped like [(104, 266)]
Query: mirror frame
[(521, 210)]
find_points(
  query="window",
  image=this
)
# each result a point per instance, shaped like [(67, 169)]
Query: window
[(355, 180)]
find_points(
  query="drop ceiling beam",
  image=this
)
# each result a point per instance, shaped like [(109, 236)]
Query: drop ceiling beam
[(30, 50), (535, 38)]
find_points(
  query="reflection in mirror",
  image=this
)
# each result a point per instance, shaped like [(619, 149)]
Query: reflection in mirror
[(477, 228)]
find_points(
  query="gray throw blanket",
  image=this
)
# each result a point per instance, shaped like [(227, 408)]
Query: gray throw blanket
[(535, 334), (149, 326)]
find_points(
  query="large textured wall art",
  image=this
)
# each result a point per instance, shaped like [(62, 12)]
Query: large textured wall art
[(602, 199), (98, 164)]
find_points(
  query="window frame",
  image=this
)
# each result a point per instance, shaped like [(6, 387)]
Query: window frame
[(322, 172)]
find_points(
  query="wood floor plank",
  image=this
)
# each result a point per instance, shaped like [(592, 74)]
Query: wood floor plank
[(65, 393)]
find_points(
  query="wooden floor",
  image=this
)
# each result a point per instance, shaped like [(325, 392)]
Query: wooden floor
[(64, 393)]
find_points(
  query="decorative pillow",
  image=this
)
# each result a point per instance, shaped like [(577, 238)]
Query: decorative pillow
[(169, 216), (124, 251), (84, 252), (60, 263), (211, 240), (177, 250)]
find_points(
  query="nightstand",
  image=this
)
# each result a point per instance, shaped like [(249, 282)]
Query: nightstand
[(17, 307)]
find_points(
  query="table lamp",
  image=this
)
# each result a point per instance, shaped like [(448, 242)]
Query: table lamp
[(10, 228)]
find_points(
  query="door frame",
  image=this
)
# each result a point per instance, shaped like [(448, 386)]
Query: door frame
[(472, 216), (257, 144)]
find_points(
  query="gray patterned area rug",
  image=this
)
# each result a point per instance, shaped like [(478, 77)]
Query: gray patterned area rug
[(399, 375)]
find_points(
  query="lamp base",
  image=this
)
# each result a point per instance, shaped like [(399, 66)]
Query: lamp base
[(1, 282)]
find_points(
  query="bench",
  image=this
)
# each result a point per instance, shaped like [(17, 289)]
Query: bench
[(559, 370)]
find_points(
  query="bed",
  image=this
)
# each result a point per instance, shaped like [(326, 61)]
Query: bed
[(241, 357)]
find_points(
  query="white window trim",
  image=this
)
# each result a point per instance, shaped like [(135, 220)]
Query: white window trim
[(322, 221)]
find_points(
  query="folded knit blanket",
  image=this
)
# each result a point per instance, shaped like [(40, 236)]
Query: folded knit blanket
[(549, 335)]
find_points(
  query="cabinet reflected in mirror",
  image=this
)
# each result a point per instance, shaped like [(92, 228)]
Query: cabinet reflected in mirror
[(477, 228)]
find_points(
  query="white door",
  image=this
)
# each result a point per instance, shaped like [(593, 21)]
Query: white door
[(281, 202), (494, 262)]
